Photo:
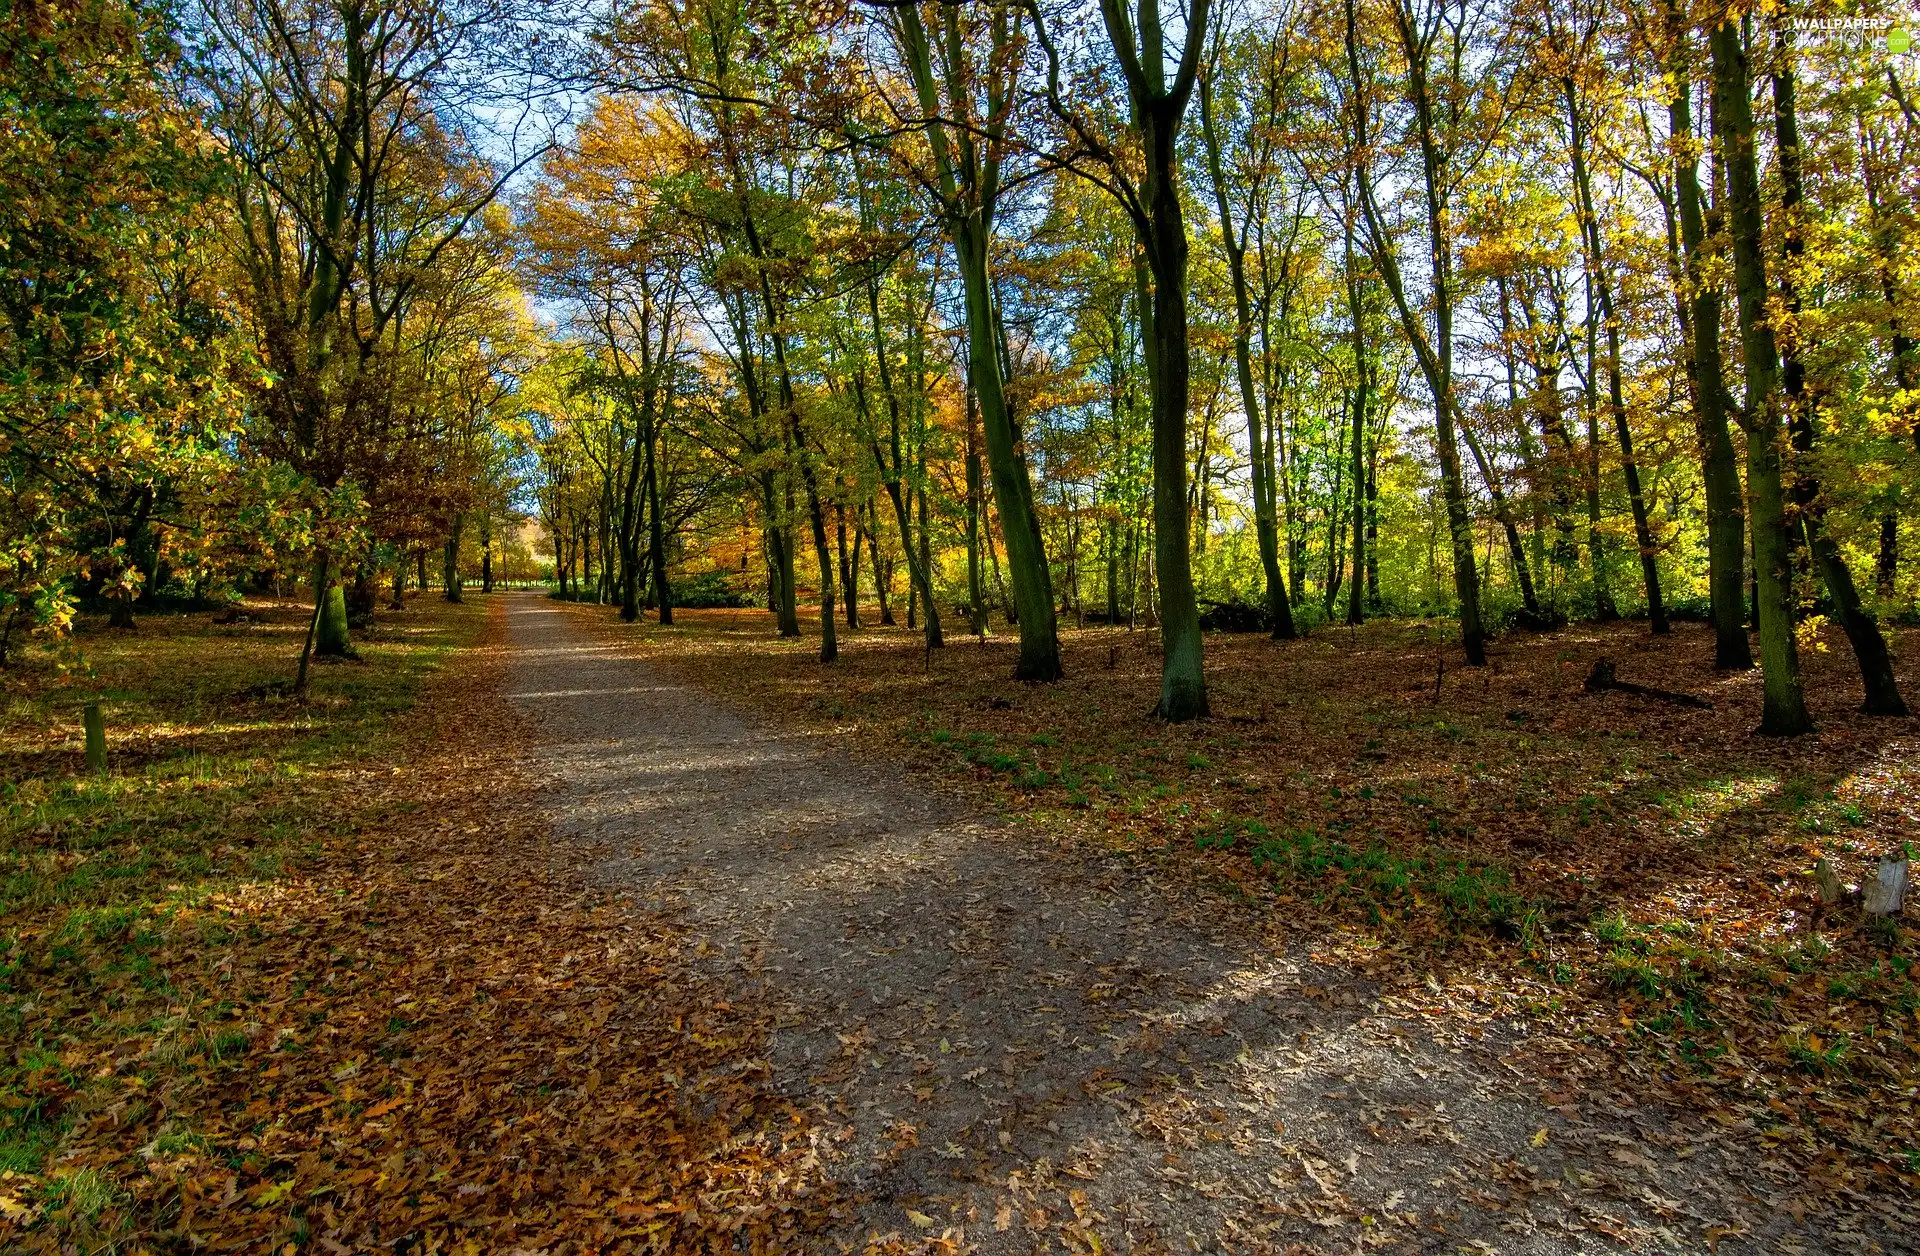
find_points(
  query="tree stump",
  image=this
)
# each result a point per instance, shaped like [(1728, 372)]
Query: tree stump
[(1888, 892), (1831, 890)]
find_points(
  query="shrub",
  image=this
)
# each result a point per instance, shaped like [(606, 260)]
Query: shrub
[(724, 589)]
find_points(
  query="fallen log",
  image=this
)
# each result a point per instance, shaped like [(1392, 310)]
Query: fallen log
[(1603, 677)]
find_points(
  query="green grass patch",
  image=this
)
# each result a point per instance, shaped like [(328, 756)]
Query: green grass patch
[(1380, 879)]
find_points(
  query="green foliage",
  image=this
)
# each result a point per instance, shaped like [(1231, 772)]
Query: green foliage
[(114, 397), (1820, 1057), (712, 589)]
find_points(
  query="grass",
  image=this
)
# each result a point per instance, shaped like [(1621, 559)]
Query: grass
[(216, 787)]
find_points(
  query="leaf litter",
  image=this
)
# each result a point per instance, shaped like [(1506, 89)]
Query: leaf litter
[(429, 1032), (1596, 904), (724, 983)]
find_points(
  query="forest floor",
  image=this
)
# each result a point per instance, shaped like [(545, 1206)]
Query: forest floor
[(307, 977), (535, 931), (1387, 952)]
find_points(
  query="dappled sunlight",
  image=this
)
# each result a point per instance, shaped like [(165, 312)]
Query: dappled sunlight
[(957, 992), (326, 920), (1694, 812), (1498, 846), (586, 693)]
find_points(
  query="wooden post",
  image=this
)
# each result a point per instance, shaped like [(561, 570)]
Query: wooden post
[(96, 726)]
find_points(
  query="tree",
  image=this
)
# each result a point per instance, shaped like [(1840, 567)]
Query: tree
[(1157, 107), (1785, 709), (351, 127), (116, 397), (965, 126), (1259, 144), (1442, 128), (1863, 634), (1700, 307)]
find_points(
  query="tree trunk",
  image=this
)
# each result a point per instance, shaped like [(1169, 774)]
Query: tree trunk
[(332, 640), (849, 565), (1183, 681), (586, 559), (1887, 565), (656, 531), (1603, 608), (891, 462), (976, 591), (1785, 708), (362, 599), (925, 538), (1503, 514), (829, 640), (1027, 569), (450, 563), (1720, 474), (882, 567), (780, 581), (1373, 536), (1435, 356), (629, 542), (1362, 381), (1863, 634), (1601, 286), (968, 218), (1356, 605), (321, 581), (1113, 547)]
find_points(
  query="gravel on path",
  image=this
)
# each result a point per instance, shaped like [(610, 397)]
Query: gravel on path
[(1012, 1045)]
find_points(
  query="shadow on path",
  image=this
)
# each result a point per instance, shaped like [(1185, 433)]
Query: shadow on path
[(1026, 1048)]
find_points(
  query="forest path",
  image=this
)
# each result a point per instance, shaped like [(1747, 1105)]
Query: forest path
[(1022, 1047)]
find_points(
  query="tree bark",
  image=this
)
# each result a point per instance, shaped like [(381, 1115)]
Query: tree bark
[(976, 592), (849, 565), (332, 639), (1785, 710), (1701, 302), (1863, 634), (1183, 682), (450, 563)]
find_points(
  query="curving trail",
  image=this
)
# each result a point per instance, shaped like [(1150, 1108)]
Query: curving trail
[(1029, 1049)]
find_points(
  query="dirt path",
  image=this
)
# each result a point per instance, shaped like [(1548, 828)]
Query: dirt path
[(1025, 1049)]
